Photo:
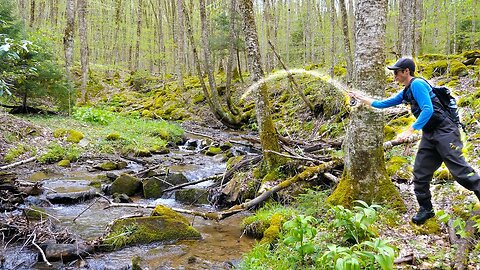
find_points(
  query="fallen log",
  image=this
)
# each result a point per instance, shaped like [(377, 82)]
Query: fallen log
[(306, 174), (464, 244), (392, 143), (18, 163)]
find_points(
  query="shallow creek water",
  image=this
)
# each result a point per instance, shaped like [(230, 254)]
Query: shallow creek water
[(221, 246)]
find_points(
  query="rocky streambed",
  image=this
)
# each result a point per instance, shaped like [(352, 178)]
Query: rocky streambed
[(75, 199)]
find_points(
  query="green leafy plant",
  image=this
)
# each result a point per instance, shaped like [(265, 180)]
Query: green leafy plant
[(299, 235), (356, 225), (458, 224), (93, 115)]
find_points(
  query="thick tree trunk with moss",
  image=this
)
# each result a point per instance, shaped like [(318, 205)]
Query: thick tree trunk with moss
[(364, 176), (268, 134)]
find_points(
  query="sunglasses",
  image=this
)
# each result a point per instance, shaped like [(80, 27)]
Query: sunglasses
[(397, 71)]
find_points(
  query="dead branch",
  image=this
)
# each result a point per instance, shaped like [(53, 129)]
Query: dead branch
[(315, 161), (40, 250), (214, 177), (138, 174), (246, 162), (201, 135), (134, 159), (292, 80), (392, 143), (18, 163), (405, 259)]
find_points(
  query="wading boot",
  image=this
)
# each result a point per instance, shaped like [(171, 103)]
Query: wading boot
[(422, 215)]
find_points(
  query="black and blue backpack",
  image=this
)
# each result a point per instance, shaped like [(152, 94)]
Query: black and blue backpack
[(443, 101)]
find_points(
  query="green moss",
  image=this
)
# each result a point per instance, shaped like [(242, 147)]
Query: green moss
[(58, 133), (64, 163), (395, 164), (165, 228), (54, 153), (126, 184), (443, 174), (96, 184), (431, 226), (233, 161), (192, 196), (113, 136), (108, 166), (212, 151), (197, 98), (14, 153), (143, 152), (273, 231), (74, 136), (440, 68), (152, 188)]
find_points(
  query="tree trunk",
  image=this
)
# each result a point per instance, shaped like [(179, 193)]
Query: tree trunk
[(116, 47), (287, 41), (212, 96), (346, 39), (180, 45), (268, 134), (54, 13), (231, 57), (68, 38), (418, 27), (406, 27), (267, 25), (161, 43), (472, 36), (139, 35), (364, 176), (82, 23), (32, 13), (332, 38)]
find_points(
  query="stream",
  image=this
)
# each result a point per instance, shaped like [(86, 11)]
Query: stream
[(221, 246)]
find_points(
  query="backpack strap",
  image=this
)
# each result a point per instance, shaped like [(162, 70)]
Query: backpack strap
[(408, 87)]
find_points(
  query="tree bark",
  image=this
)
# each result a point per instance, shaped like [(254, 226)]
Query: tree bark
[(139, 34), (364, 176), (82, 23), (32, 13), (268, 134), (231, 57), (406, 27), (267, 26), (161, 42), (346, 39), (180, 45), (332, 38), (212, 96), (68, 38), (418, 27)]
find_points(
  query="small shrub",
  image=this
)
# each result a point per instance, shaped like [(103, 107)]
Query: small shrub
[(92, 115)]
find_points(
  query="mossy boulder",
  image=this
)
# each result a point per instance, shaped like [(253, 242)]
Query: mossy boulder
[(153, 188), (74, 136), (142, 152), (64, 163), (60, 132), (225, 146), (443, 174), (112, 165), (126, 184), (164, 225), (441, 67), (113, 136), (192, 196), (212, 151), (176, 179)]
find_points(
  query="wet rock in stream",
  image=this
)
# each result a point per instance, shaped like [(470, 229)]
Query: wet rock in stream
[(72, 197), (153, 187), (126, 184)]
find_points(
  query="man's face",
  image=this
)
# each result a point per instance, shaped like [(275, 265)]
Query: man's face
[(401, 75)]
